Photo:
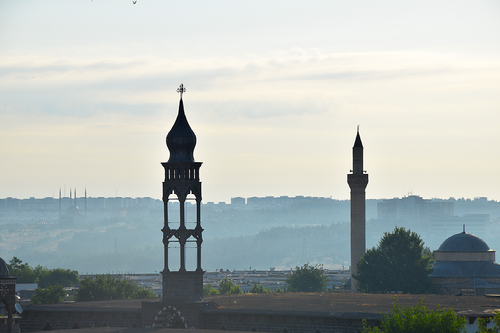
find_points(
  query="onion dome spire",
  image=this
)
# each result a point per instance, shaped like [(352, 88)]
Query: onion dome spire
[(181, 139)]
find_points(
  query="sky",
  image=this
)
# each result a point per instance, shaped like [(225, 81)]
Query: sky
[(275, 92)]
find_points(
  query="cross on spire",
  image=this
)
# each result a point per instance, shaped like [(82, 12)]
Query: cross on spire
[(181, 89)]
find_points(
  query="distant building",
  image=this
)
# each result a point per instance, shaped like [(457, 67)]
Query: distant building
[(72, 215), (413, 209), (478, 224), (238, 201)]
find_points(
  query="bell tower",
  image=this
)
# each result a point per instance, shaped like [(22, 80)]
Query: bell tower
[(357, 181), (182, 183)]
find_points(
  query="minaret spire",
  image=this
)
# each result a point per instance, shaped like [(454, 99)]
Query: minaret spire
[(357, 182)]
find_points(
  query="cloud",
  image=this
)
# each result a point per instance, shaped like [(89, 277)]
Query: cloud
[(287, 83)]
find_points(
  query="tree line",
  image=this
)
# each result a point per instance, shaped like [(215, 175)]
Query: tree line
[(51, 283)]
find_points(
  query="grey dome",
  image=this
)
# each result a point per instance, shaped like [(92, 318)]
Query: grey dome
[(447, 269), (181, 139), (464, 242), (4, 269)]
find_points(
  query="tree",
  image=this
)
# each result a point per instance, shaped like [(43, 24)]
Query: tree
[(210, 290), (42, 275), (235, 290), (307, 279), (418, 320), (22, 271), (399, 263), (107, 287), (225, 286), (482, 324), (56, 276), (49, 295), (258, 289)]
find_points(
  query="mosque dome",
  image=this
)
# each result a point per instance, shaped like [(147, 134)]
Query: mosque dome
[(181, 139), (4, 269), (73, 210), (464, 242)]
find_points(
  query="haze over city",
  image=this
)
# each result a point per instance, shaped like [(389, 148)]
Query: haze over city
[(275, 91)]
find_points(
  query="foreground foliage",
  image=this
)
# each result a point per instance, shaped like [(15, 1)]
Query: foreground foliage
[(307, 279), (400, 262), (418, 320), (495, 329), (107, 287), (49, 295), (42, 275)]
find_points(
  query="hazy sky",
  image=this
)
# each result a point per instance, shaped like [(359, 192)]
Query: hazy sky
[(275, 90)]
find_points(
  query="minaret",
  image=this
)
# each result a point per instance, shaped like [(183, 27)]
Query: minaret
[(182, 178), (59, 202), (357, 181)]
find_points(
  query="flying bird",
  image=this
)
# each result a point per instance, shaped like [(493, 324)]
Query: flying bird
[(134, 2)]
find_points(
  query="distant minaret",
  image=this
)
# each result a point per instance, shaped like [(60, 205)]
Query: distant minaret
[(75, 196), (59, 202), (357, 182), (85, 202), (70, 202)]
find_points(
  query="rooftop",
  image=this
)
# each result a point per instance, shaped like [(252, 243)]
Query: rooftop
[(331, 304)]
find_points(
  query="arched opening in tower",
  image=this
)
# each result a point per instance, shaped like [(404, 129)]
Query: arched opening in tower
[(190, 218)]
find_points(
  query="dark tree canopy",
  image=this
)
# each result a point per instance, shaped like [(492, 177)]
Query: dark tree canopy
[(49, 295), (400, 262), (307, 279), (42, 275), (107, 287)]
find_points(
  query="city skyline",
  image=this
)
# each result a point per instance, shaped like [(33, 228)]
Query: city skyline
[(87, 96), (228, 200)]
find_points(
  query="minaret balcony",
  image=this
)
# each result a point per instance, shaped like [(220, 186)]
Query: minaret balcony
[(182, 171)]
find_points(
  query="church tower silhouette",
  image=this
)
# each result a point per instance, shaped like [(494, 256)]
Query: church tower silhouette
[(357, 181), (182, 182)]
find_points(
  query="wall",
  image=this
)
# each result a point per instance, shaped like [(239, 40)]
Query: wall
[(194, 315), (285, 322), (38, 319)]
